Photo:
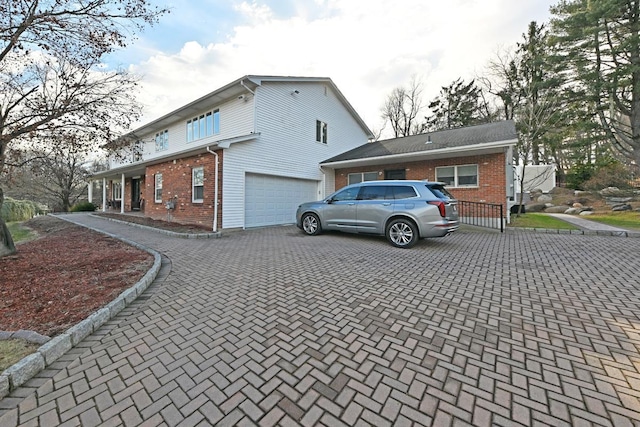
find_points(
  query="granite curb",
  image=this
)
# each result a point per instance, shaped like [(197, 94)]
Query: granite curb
[(160, 230), (53, 348), (630, 234)]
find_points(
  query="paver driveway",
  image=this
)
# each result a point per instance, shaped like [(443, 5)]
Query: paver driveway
[(270, 327)]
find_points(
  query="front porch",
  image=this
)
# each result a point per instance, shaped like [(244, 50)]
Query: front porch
[(121, 193)]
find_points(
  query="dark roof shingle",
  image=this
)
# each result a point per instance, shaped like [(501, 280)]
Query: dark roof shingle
[(449, 138)]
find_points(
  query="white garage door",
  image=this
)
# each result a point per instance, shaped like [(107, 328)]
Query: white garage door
[(271, 200)]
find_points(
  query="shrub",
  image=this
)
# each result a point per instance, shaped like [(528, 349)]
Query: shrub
[(83, 207), (19, 210), (611, 175)]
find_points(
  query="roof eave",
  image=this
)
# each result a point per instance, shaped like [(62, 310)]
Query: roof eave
[(474, 149)]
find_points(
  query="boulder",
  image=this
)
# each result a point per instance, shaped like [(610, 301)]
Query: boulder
[(609, 191), (576, 205), (544, 198), (585, 213), (580, 193), (572, 211), (621, 207), (535, 207)]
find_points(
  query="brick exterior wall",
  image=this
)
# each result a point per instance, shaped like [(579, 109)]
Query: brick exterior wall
[(176, 181), (491, 176)]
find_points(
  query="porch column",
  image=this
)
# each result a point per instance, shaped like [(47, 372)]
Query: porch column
[(104, 194), (122, 194), (90, 191)]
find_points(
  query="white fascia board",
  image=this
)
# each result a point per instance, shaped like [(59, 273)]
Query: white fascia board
[(135, 168), (423, 155)]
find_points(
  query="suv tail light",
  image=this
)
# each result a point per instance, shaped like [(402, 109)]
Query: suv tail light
[(440, 205)]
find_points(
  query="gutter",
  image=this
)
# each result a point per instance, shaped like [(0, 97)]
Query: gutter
[(215, 192)]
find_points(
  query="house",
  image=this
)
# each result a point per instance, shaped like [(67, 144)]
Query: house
[(475, 162), (244, 155)]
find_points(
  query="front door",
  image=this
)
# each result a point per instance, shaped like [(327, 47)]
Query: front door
[(135, 194)]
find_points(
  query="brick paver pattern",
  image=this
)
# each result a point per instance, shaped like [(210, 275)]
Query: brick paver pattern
[(270, 327)]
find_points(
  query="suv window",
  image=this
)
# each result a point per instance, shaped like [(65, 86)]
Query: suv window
[(403, 192), (346, 194), (440, 192), (373, 192)]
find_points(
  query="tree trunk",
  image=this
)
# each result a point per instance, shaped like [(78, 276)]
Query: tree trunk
[(7, 247)]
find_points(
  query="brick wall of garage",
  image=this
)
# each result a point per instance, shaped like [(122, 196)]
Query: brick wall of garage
[(491, 175), (176, 181)]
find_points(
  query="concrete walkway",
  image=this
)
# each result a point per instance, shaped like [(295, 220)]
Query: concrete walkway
[(586, 224), (270, 327)]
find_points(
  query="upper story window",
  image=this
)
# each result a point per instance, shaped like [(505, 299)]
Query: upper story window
[(197, 182), (321, 131), (204, 125), (355, 178), (162, 140), (458, 176)]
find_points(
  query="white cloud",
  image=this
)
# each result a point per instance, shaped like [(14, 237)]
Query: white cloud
[(367, 48)]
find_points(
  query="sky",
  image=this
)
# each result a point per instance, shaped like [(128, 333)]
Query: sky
[(367, 47)]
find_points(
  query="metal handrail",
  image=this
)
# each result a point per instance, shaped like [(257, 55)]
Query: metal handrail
[(489, 215)]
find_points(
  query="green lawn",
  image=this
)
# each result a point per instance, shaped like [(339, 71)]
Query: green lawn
[(11, 351), (18, 232), (628, 220), (540, 220)]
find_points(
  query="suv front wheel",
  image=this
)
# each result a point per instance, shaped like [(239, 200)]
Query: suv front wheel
[(402, 233), (311, 224)]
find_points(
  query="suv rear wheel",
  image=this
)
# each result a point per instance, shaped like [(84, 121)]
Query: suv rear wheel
[(402, 233), (311, 224)]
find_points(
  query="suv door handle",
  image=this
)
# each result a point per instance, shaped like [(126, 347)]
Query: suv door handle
[(386, 204)]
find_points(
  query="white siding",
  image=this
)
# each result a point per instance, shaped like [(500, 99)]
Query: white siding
[(236, 118), (287, 147)]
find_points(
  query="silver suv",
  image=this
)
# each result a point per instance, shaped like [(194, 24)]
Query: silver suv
[(403, 211)]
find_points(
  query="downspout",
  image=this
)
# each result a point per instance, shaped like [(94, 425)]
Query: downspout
[(215, 192), (255, 123)]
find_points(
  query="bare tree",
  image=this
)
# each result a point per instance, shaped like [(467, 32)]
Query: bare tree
[(535, 120), (402, 107), (51, 78)]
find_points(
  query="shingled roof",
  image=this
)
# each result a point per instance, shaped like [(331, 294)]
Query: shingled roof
[(432, 141)]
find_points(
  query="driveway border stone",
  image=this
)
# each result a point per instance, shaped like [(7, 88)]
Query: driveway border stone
[(22, 371)]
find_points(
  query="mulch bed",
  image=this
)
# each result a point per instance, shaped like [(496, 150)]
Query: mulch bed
[(63, 276), (156, 223)]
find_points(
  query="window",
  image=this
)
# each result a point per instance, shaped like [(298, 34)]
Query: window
[(403, 192), (321, 131), (355, 178), (197, 180), (158, 188), (346, 194), (458, 176), (117, 191), (374, 192), (162, 141), (204, 125)]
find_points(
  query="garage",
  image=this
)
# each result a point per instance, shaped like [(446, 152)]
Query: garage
[(272, 200)]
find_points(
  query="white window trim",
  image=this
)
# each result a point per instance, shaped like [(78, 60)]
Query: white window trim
[(117, 195), (455, 175), (193, 185), (156, 188), (362, 174), (322, 136), (195, 121)]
